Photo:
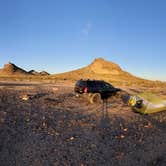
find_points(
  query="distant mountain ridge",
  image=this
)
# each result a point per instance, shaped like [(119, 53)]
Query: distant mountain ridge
[(11, 69), (99, 69)]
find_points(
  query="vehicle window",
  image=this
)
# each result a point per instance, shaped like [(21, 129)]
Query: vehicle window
[(77, 83), (108, 85), (96, 84), (100, 85), (91, 83), (81, 83)]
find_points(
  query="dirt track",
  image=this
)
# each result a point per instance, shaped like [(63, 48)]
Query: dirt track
[(55, 127)]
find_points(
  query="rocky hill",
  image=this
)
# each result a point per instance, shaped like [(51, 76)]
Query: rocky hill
[(33, 72), (99, 69), (11, 69), (42, 73)]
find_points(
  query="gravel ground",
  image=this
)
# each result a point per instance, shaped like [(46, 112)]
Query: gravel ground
[(56, 128)]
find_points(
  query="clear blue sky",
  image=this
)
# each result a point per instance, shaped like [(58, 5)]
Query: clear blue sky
[(62, 35)]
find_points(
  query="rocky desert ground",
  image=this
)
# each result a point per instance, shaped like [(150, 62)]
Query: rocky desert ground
[(47, 125)]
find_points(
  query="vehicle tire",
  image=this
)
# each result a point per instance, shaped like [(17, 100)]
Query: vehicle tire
[(95, 98)]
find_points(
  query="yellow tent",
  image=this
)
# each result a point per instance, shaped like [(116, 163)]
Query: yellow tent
[(147, 103)]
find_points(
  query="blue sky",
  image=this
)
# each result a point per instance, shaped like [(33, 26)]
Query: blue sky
[(62, 35)]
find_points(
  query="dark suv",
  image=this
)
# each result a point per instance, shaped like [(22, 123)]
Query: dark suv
[(96, 89)]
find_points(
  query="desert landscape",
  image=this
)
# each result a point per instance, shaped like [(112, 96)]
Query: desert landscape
[(43, 122)]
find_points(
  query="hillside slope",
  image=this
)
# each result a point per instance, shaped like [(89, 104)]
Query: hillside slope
[(99, 69)]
